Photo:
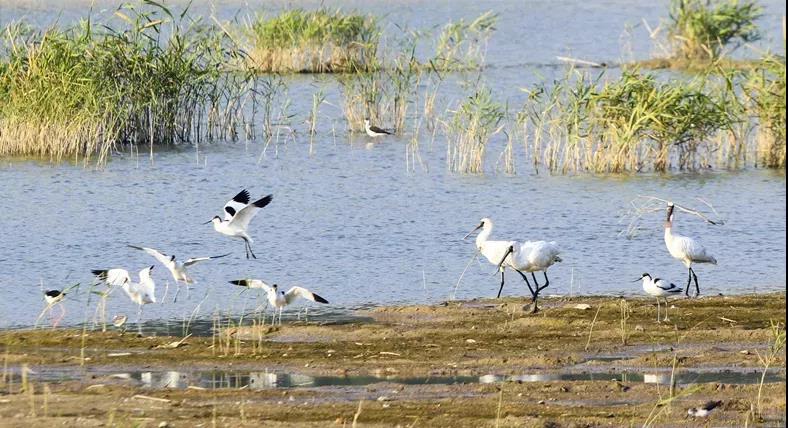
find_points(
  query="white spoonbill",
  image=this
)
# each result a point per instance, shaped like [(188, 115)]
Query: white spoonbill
[(493, 251), (238, 212), (141, 293), (686, 250), (279, 299), (177, 270), (658, 287), (374, 131), (532, 256)]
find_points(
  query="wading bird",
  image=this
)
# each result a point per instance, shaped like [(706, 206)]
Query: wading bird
[(532, 256), (686, 250), (178, 270), (279, 299), (704, 410), (528, 256), (374, 131), (141, 293), (658, 287), (238, 212), (54, 298)]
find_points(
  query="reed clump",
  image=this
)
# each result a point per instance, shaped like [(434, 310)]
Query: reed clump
[(318, 41), (463, 45), (703, 30), (83, 91), (765, 88), (469, 130), (629, 124)]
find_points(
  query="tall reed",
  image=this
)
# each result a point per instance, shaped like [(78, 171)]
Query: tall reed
[(469, 130)]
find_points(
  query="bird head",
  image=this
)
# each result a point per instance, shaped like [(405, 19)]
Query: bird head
[(215, 220), (669, 218), (484, 223), (645, 275)]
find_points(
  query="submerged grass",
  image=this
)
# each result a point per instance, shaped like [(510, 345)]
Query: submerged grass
[(82, 91), (319, 41)]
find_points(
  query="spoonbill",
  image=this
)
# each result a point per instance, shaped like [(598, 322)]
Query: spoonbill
[(141, 293), (238, 212), (177, 270), (532, 256), (374, 131), (529, 256), (686, 250), (279, 299), (658, 287)]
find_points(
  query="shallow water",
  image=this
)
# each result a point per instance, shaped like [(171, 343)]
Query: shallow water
[(351, 222), (218, 379)]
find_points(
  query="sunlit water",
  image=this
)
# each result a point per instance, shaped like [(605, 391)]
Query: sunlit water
[(350, 221)]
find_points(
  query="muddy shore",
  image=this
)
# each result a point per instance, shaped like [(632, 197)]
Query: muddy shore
[(578, 362)]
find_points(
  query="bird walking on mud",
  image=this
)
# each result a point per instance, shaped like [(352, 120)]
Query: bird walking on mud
[(238, 212), (685, 249), (658, 287), (529, 256)]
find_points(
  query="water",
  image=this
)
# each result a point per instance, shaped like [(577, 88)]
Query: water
[(262, 380), (350, 221)]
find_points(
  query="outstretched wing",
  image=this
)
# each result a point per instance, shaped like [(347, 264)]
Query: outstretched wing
[(161, 257), (113, 277), (237, 203), (194, 260), (242, 219), (297, 292), (252, 283)]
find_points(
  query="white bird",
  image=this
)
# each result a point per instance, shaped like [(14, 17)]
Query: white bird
[(238, 212), (686, 250), (279, 299), (658, 287), (141, 293), (704, 410), (178, 270), (529, 256), (374, 131)]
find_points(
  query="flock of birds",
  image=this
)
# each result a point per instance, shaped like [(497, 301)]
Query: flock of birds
[(524, 258)]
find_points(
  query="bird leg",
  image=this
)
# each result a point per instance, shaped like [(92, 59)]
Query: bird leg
[(666, 310), (658, 310), (500, 289), (689, 281), (139, 320), (249, 249), (59, 318), (528, 284), (695, 277)]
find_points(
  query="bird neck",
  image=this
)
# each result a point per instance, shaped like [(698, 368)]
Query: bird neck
[(483, 236)]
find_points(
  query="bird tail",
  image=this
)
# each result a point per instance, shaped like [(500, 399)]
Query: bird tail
[(319, 299)]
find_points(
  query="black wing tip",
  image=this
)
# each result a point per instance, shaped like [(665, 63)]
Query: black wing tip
[(319, 299), (101, 274), (217, 257), (242, 197), (260, 203), (53, 293), (712, 404), (241, 282)]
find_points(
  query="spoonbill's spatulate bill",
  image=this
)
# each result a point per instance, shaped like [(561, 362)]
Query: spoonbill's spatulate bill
[(177, 269), (687, 250), (277, 298), (238, 212), (658, 287), (374, 131), (141, 293)]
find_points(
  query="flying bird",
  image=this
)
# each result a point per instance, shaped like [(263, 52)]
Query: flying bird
[(141, 293), (279, 298), (238, 212), (177, 269)]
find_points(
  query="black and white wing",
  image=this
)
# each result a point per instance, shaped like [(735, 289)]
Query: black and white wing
[(252, 283), (237, 203), (377, 130), (113, 277), (195, 260), (297, 292), (669, 287), (161, 257), (244, 216)]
